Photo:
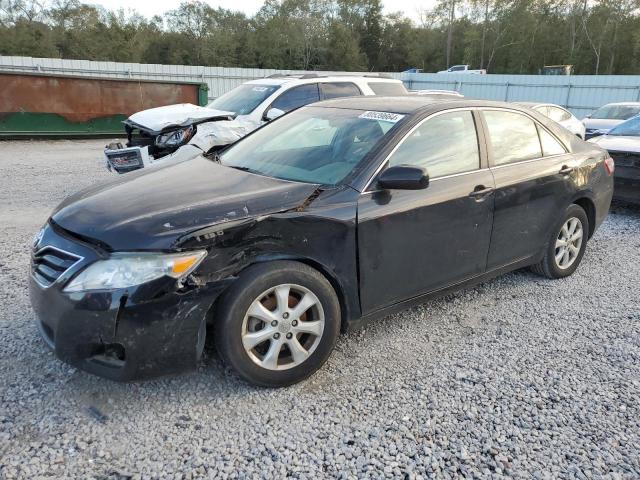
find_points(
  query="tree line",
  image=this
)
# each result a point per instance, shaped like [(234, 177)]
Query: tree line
[(502, 36)]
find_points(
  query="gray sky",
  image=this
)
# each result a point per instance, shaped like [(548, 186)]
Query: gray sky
[(157, 7)]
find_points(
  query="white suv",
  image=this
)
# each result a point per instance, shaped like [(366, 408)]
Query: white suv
[(184, 131)]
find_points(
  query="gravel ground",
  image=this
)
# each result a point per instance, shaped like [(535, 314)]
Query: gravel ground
[(521, 377)]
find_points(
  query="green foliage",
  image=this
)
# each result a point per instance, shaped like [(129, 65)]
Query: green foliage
[(503, 36)]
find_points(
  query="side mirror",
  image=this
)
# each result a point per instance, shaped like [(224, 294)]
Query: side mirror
[(404, 177), (273, 113)]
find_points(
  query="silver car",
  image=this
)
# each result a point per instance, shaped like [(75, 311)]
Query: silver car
[(609, 116), (558, 114)]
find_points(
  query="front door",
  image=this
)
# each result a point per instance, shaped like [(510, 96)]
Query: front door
[(412, 242)]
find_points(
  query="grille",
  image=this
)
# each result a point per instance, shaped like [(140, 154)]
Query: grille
[(626, 159), (49, 263), (124, 160)]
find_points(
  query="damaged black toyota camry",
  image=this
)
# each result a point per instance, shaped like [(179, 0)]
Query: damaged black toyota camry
[(330, 216)]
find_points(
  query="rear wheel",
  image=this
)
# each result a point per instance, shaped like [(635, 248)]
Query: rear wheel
[(566, 246), (278, 323)]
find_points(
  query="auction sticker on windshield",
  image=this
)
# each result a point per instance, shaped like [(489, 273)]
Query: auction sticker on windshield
[(382, 116)]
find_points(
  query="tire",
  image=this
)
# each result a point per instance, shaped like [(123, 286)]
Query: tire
[(254, 323), (552, 267)]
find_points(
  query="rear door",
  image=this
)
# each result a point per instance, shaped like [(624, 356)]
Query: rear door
[(415, 241), (532, 171)]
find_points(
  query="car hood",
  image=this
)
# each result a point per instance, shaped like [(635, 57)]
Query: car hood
[(180, 115), (151, 210), (600, 123), (618, 143)]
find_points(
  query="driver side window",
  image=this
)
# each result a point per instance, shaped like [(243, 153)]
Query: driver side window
[(445, 145)]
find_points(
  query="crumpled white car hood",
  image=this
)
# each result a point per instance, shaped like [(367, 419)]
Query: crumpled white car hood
[(224, 132), (209, 135), (182, 114)]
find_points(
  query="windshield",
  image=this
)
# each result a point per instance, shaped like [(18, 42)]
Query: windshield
[(630, 128), (243, 99), (312, 144), (616, 112)]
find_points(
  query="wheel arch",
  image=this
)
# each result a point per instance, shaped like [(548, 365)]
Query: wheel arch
[(587, 204), (339, 289)]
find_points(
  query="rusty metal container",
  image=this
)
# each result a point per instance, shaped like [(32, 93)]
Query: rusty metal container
[(39, 105)]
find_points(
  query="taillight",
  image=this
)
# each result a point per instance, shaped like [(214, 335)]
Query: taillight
[(609, 165)]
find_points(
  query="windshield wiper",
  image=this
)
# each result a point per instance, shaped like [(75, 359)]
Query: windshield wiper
[(246, 169)]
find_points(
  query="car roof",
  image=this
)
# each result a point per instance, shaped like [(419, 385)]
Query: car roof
[(409, 104), (539, 104), (531, 104)]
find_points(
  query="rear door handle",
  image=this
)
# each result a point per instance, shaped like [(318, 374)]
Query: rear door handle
[(480, 192), (566, 170)]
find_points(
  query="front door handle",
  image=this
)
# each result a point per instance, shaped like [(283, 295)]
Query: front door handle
[(566, 170), (480, 192)]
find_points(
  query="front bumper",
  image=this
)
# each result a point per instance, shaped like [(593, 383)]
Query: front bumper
[(125, 334), (627, 184)]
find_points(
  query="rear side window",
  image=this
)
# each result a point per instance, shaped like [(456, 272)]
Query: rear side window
[(445, 144), (550, 146), (387, 88), (514, 137), (341, 89), (297, 97)]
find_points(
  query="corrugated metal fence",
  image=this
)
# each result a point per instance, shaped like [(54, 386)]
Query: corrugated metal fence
[(580, 93), (219, 79)]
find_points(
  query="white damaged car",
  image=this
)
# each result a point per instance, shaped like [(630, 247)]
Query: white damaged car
[(184, 131)]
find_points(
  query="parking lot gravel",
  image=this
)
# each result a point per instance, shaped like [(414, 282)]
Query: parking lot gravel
[(519, 377)]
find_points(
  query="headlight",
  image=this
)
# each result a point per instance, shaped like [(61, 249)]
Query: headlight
[(175, 138), (129, 269)]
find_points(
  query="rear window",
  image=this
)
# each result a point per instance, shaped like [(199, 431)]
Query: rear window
[(388, 88), (630, 128), (616, 112)]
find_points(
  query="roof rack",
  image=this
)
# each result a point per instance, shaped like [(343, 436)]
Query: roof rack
[(282, 75), (305, 76), (377, 75)]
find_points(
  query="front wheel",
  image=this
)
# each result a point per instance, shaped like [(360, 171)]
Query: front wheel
[(566, 246), (278, 323)]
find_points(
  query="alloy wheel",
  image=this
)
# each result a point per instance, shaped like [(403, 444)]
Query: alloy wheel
[(282, 327), (568, 243)]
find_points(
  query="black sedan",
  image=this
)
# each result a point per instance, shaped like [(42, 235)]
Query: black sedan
[(328, 217)]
